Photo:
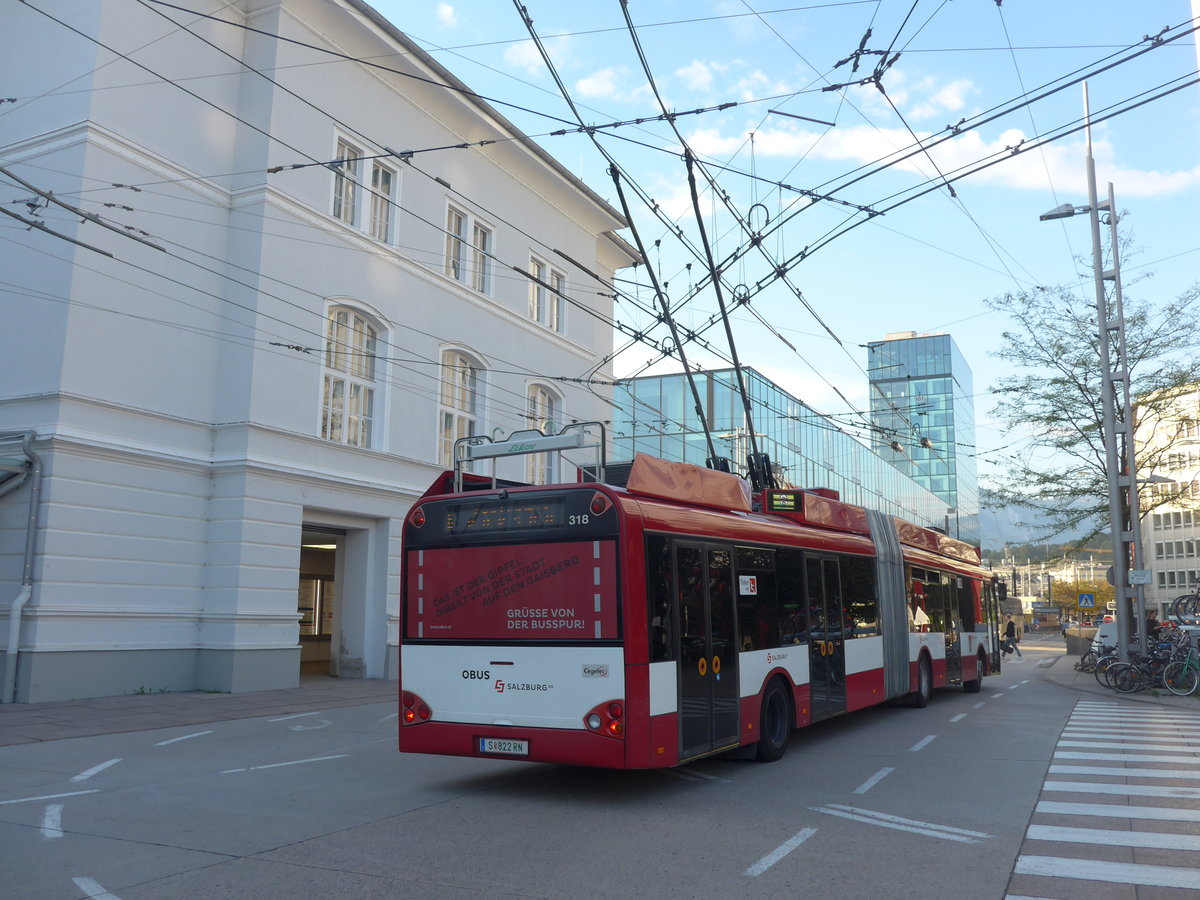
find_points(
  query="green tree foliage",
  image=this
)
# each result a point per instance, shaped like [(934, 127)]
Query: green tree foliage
[(1065, 595), (1054, 396)]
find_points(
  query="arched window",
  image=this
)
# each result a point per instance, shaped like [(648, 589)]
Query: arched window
[(348, 394), (460, 402), (543, 411)]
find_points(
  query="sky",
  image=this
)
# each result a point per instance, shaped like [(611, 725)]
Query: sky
[(816, 154)]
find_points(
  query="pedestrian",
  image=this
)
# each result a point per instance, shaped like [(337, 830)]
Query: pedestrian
[(1010, 637), (1152, 625)]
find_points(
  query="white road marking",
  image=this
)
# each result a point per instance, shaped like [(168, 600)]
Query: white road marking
[(1111, 811), (706, 777), (873, 780), (1115, 745), (1103, 870), (52, 821), (1158, 840), (922, 743), (186, 737), (386, 718), (979, 705), (945, 832), (1129, 734), (84, 776), (294, 762), (997, 696), (1129, 757), (958, 718), (1123, 773), (47, 797), (94, 889), (321, 723), (293, 716), (1126, 790), (780, 852)]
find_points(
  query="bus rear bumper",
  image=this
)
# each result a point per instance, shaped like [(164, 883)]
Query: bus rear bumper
[(545, 745)]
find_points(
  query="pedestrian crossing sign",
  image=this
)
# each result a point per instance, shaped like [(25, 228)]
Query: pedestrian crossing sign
[(1087, 601)]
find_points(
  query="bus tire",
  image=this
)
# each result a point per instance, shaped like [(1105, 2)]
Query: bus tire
[(976, 685), (921, 696), (774, 722)]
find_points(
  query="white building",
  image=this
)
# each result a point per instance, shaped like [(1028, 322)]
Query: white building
[(296, 320), (1168, 458)]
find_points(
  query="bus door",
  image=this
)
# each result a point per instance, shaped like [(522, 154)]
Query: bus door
[(707, 650), (827, 638)]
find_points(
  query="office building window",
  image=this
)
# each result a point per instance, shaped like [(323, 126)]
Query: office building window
[(547, 291), (348, 392), (345, 181), (459, 401), (383, 202)]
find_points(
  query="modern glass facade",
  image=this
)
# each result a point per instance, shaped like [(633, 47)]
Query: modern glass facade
[(923, 417), (656, 415)]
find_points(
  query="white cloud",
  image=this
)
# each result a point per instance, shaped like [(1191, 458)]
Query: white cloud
[(446, 15), (525, 55), (601, 85), (698, 74)]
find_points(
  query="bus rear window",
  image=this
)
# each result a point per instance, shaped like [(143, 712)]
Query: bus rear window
[(558, 591)]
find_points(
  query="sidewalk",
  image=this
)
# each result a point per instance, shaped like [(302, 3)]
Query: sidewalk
[(27, 723), (1047, 652)]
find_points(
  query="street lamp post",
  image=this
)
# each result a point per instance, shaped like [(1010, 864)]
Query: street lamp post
[(1120, 463)]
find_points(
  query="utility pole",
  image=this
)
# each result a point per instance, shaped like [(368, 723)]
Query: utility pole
[(1118, 429), (1120, 461)]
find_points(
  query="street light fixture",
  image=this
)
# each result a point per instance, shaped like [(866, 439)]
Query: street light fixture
[(1067, 210)]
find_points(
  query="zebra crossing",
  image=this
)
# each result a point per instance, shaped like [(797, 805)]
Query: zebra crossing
[(1120, 806)]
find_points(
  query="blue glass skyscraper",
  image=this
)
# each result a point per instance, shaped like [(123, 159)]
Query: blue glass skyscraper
[(923, 418)]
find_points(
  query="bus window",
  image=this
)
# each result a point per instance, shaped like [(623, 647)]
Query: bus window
[(757, 600), (793, 604), (658, 598), (862, 602)]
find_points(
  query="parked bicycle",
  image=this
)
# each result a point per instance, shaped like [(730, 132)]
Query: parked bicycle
[(1182, 676)]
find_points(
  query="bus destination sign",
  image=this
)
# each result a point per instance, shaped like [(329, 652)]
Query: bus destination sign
[(502, 515)]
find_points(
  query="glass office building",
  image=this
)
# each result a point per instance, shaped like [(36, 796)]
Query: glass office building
[(656, 415), (923, 417)]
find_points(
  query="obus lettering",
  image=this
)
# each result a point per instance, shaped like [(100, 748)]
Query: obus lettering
[(476, 674)]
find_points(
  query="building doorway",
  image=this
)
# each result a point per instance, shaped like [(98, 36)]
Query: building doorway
[(317, 601)]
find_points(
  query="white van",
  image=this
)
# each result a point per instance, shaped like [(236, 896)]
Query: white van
[(1106, 636)]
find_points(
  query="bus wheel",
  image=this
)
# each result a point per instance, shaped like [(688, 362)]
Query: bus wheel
[(920, 697), (974, 686), (774, 723)]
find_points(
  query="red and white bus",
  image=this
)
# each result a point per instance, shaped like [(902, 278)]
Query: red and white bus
[(669, 618)]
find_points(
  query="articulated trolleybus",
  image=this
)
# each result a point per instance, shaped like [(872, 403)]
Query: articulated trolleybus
[(670, 617)]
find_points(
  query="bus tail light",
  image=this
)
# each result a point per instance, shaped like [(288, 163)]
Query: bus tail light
[(418, 517), (608, 718), (600, 504), (414, 709)]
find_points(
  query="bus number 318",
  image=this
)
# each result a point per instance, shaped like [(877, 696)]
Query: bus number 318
[(578, 520)]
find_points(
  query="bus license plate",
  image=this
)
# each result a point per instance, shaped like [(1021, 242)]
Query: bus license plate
[(504, 745)]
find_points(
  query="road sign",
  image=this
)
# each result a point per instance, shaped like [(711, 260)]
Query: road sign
[(1139, 576), (1087, 601)]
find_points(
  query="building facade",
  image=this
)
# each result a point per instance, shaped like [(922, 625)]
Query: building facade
[(923, 418), (1168, 460), (657, 416), (251, 336)]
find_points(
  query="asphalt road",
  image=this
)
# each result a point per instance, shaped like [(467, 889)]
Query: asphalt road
[(887, 803)]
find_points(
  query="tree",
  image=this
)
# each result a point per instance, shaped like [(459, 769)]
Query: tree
[(1055, 397)]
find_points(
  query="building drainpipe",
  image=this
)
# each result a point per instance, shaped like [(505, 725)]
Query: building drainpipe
[(8, 693)]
